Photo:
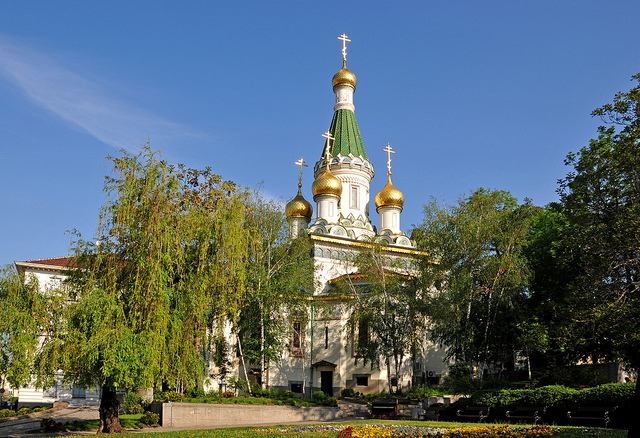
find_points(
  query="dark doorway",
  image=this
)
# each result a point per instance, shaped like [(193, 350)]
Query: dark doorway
[(326, 382)]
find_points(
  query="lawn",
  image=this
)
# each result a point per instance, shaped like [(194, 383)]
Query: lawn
[(389, 428)]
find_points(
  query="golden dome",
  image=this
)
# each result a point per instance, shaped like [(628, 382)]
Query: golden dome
[(389, 196), (299, 207), (326, 184), (344, 76)]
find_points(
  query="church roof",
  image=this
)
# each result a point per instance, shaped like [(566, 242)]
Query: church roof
[(345, 131)]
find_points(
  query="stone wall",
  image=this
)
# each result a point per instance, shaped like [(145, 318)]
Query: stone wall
[(218, 415)]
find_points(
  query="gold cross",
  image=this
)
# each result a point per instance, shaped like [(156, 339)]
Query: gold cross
[(300, 163), (389, 151), (329, 137), (344, 40)]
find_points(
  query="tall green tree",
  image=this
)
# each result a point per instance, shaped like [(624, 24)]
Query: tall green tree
[(170, 252), (280, 281), (479, 275), (381, 300), (554, 266), (601, 200)]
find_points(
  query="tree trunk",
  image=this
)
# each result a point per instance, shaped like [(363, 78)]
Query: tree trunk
[(109, 410), (389, 374), (244, 365), (263, 365)]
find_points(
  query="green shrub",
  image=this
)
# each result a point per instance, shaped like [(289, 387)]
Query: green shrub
[(319, 397), (347, 392), (330, 401), (611, 394), (150, 418), (257, 391), (49, 425), (25, 411), (40, 409), (7, 413), (288, 394), (135, 410), (131, 401), (172, 396)]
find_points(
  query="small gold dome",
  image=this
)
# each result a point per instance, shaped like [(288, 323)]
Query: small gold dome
[(326, 184), (344, 76), (299, 207), (389, 196)]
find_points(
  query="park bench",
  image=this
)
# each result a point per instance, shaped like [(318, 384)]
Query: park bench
[(589, 414), (384, 408), (433, 413), (477, 412), (528, 413)]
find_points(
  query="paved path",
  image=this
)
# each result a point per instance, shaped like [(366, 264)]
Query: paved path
[(20, 428)]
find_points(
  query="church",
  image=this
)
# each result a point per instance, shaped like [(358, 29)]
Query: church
[(341, 227), (321, 355)]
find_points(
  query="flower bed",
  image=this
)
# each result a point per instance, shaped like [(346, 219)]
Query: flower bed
[(402, 431)]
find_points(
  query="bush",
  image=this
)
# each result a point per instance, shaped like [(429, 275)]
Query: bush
[(169, 396), (25, 411), (330, 401), (7, 413), (347, 392), (49, 425), (150, 418), (135, 410), (319, 397), (131, 402)]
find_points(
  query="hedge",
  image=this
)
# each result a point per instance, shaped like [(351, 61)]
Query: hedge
[(557, 399)]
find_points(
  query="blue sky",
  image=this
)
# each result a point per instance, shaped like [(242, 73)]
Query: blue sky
[(469, 94)]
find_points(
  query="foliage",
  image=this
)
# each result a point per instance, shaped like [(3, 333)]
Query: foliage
[(25, 314), (601, 200), (347, 392), (4, 413), (25, 411), (558, 399), (168, 255), (168, 396), (150, 418), (238, 384), (279, 281), (319, 396), (49, 425), (132, 402), (382, 304), (479, 277)]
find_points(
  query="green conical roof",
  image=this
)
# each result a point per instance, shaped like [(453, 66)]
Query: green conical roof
[(345, 131)]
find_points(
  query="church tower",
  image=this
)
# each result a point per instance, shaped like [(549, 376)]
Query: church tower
[(348, 162), (342, 179)]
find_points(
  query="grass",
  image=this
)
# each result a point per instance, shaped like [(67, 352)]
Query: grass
[(127, 421), (315, 431)]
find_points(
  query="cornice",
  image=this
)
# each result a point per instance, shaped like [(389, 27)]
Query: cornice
[(360, 244)]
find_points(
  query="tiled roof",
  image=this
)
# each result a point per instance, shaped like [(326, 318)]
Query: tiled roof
[(344, 129), (54, 261)]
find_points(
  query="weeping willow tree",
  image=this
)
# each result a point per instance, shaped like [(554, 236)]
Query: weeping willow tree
[(170, 252)]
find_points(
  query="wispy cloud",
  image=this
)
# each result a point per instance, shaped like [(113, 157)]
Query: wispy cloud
[(81, 102)]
